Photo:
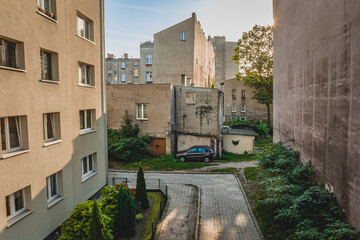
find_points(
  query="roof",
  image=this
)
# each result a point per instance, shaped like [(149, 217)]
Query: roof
[(246, 132)]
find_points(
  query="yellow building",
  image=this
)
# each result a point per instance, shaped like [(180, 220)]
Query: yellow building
[(238, 141), (52, 112)]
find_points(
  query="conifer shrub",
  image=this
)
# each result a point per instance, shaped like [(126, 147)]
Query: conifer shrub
[(96, 226), (141, 193)]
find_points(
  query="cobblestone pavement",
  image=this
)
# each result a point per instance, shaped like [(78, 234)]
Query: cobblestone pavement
[(224, 213)]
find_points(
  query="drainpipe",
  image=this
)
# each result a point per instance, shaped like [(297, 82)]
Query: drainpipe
[(221, 118)]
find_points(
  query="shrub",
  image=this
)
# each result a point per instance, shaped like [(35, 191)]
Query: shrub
[(96, 225), (260, 127), (139, 217), (141, 194)]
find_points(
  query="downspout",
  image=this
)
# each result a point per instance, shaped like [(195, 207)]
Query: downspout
[(221, 118)]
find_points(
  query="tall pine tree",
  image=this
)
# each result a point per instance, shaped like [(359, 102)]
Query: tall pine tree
[(141, 194), (124, 222), (97, 227)]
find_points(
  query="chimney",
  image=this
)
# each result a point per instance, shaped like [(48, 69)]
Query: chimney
[(110, 55), (126, 55)]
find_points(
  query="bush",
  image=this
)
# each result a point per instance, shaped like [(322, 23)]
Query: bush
[(139, 217), (141, 194), (96, 226)]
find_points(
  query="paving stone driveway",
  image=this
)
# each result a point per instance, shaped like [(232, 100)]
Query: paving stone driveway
[(223, 215)]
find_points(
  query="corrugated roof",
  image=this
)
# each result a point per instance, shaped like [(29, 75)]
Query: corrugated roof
[(246, 132)]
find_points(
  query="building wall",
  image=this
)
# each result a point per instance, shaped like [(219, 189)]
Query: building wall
[(114, 71), (246, 143), (316, 91), (22, 94), (187, 141), (125, 97), (146, 48), (231, 67), (253, 111)]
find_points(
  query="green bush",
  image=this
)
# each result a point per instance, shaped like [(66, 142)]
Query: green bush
[(96, 226), (141, 194), (291, 205), (260, 127), (139, 217)]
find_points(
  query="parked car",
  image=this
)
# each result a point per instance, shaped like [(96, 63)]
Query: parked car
[(204, 153)]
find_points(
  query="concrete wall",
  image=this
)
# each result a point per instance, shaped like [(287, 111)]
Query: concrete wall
[(246, 143), (316, 91), (146, 48), (253, 112), (22, 94), (114, 65), (125, 97)]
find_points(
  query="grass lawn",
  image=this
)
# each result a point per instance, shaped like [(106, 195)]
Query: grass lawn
[(232, 157), (230, 169), (161, 163), (263, 141), (251, 173), (154, 214)]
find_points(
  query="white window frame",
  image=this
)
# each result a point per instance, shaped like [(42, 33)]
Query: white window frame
[(243, 118), (123, 65), (233, 118), (87, 30), (123, 77), (88, 73), (86, 128), (49, 187), (233, 108), (52, 119), (88, 171), (7, 135), (149, 76), (243, 93), (183, 36), (12, 204), (186, 98), (188, 82), (243, 108), (148, 59), (141, 105), (41, 4)]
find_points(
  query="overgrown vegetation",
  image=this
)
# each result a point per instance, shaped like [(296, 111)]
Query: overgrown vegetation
[(291, 205), (125, 144), (251, 173), (230, 169), (233, 157), (262, 142), (259, 127)]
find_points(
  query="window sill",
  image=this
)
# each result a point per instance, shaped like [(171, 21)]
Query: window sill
[(85, 39), (49, 81), (87, 132), (46, 144), (13, 69), (190, 103), (17, 218), (13, 154), (46, 16), (142, 119), (87, 177), (55, 201), (84, 85)]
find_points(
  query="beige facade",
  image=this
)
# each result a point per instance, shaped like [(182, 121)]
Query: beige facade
[(238, 144), (41, 113), (183, 55), (146, 62), (238, 103), (122, 70)]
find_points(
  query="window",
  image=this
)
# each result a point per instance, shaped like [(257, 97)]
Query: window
[(234, 94), (123, 77), (47, 7), (15, 204), (183, 78), (123, 65), (46, 65), (188, 83), (141, 112), (86, 122), (88, 166), (136, 73), (243, 118), (149, 77), (51, 127), (109, 72), (84, 26), (233, 118), (193, 150), (243, 108), (10, 134), (148, 59), (52, 187), (190, 98), (11, 54), (233, 108), (85, 75), (135, 64), (243, 93), (183, 36)]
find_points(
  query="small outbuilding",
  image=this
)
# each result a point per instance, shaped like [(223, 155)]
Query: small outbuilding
[(238, 141)]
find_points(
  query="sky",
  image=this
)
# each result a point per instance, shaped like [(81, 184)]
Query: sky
[(130, 22)]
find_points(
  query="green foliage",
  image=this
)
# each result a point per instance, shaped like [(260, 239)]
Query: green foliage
[(139, 217), (108, 204), (124, 221), (260, 127), (251, 173), (141, 194), (291, 205), (254, 54), (97, 226)]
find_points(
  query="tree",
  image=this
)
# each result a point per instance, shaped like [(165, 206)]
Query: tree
[(140, 193), (254, 54), (96, 227)]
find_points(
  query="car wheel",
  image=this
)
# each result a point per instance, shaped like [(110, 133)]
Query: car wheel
[(206, 159), (182, 159)]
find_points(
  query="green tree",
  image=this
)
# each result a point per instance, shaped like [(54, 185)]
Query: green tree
[(127, 129), (125, 221), (96, 227), (141, 194), (254, 54)]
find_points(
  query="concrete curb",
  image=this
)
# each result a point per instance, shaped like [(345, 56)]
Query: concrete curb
[(169, 172), (249, 207)]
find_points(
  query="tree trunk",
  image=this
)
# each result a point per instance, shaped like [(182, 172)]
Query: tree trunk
[(268, 114)]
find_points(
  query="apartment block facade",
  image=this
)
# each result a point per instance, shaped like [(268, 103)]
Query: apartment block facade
[(122, 70), (52, 112), (316, 91)]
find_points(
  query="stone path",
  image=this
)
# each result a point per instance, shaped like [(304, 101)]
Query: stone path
[(224, 213)]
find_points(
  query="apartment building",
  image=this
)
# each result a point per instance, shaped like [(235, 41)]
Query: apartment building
[(52, 112), (146, 62), (122, 70), (316, 91)]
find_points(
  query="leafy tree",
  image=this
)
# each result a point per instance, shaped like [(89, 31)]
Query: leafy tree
[(254, 54), (125, 217), (141, 194), (127, 129), (96, 226)]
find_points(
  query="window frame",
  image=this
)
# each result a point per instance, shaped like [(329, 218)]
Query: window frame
[(233, 92), (142, 111), (86, 128), (149, 77), (183, 36), (186, 98), (148, 59), (88, 74), (7, 135), (233, 108), (123, 65), (243, 118), (4, 60), (243, 93), (49, 187), (88, 171), (87, 26), (52, 119), (50, 55), (15, 213), (243, 108), (123, 77)]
